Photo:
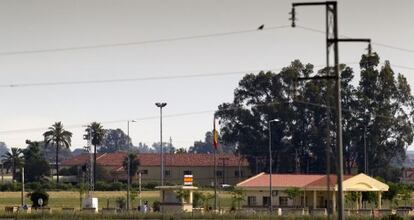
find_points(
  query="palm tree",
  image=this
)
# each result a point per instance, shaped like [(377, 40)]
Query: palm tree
[(13, 160), (61, 138), (97, 132), (133, 165)]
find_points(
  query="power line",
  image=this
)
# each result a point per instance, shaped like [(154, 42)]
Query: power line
[(121, 80), (166, 77), (110, 122), (136, 43), (192, 113), (373, 42)]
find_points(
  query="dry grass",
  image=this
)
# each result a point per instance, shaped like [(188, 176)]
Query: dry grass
[(70, 199)]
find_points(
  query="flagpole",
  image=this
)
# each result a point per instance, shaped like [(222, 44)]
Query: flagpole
[(215, 180), (215, 163)]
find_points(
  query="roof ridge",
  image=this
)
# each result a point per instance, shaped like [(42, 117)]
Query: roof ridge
[(251, 178), (99, 157)]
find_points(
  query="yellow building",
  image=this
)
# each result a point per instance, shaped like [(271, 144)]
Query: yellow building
[(312, 190)]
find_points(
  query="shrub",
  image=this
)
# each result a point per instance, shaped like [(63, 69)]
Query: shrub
[(121, 202), (64, 186), (151, 185), (36, 195), (156, 206), (102, 186), (11, 187), (34, 185), (117, 186)]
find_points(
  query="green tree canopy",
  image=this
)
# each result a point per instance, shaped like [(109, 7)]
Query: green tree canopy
[(382, 102), (114, 140), (13, 160), (134, 164), (35, 165)]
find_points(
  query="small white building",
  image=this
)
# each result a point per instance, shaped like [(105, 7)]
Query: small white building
[(171, 201)]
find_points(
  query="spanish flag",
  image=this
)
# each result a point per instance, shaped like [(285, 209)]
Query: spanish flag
[(215, 134)]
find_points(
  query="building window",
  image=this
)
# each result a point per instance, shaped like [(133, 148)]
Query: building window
[(236, 173), (219, 173), (283, 201), (251, 200), (266, 201), (188, 172), (144, 172), (167, 172)]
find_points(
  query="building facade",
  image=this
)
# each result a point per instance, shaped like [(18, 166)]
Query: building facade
[(230, 169), (312, 191)]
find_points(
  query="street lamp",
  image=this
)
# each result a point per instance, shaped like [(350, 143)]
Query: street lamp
[(161, 105), (129, 167), (270, 164)]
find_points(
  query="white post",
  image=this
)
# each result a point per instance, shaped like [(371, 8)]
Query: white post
[(314, 199), (379, 200)]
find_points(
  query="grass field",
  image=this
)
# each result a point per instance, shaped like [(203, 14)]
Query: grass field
[(70, 199)]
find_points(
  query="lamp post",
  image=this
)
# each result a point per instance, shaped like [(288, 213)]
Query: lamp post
[(161, 105), (270, 165), (129, 168)]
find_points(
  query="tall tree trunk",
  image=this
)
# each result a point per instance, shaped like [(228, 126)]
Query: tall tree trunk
[(13, 170), (57, 161)]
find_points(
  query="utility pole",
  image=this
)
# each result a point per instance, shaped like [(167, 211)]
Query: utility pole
[(161, 105), (129, 167), (332, 41), (270, 166)]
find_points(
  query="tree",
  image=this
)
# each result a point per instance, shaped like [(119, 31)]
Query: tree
[(207, 146), (292, 192), (382, 102), (114, 140), (61, 138), (38, 194), (198, 199), (167, 147), (180, 151), (35, 165), (237, 196), (144, 148), (3, 149), (385, 109), (13, 160), (134, 164), (183, 195), (96, 132)]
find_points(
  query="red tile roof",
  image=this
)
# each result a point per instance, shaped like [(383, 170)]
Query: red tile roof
[(152, 159), (78, 160), (290, 180)]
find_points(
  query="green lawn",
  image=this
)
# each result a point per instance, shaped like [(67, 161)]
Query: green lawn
[(70, 199)]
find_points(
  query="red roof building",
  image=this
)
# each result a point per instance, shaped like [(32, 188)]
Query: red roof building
[(312, 189), (230, 168)]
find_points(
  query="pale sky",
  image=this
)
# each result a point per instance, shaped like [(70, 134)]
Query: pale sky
[(26, 112)]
